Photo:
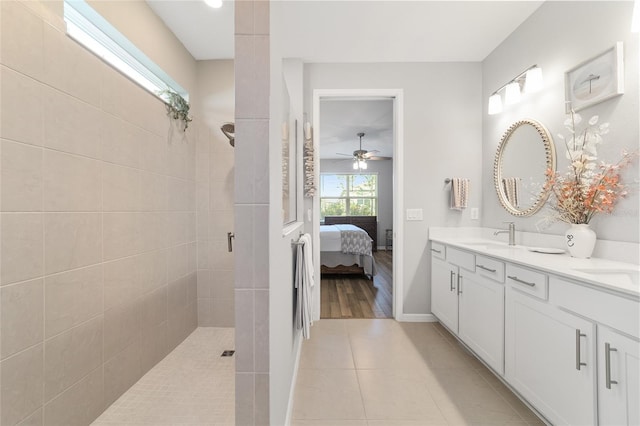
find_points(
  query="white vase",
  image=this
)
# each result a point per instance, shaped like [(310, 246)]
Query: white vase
[(580, 240)]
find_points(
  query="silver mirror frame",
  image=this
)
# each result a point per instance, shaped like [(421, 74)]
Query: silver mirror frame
[(550, 154)]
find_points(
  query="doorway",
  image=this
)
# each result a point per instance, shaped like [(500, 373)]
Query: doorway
[(350, 296)]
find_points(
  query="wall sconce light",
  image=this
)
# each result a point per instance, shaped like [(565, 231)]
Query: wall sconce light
[(216, 4), (530, 79)]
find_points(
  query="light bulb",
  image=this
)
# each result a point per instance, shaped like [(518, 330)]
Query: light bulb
[(363, 165), (495, 104), (533, 80), (512, 93), (355, 164), (216, 4)]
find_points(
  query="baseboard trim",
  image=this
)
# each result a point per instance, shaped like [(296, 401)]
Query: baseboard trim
[(416, 318), (294, 379)]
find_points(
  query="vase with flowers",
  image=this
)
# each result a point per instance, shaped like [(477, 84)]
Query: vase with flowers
[(588, 188)]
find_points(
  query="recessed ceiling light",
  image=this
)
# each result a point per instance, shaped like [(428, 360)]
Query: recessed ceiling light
[(216, 4)]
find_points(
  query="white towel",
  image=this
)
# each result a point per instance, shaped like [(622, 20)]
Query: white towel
[(459, 193), (304, 283)]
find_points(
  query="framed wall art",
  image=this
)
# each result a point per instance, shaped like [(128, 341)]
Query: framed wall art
[(595, 80)]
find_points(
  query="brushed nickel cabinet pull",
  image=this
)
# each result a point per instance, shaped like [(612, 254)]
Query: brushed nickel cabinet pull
[(607, 369), (518, 280), (579, 362), (485, 268), (459, 284), (437, 251), (452, 287)]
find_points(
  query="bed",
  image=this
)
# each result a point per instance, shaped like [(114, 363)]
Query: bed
[(346, 248)]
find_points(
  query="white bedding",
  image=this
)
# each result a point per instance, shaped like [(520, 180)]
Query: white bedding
[(331, 249)]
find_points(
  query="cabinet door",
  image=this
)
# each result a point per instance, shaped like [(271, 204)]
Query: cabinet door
[(481, 304), (618, 378), (444, 295), (550, 359)]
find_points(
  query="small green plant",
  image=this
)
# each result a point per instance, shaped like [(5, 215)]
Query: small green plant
[(177, 106)]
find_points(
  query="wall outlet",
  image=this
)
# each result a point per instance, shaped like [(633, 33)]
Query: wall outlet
[(474, 213), (414, 214)]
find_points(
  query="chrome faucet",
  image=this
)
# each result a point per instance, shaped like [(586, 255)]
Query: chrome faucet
[(511, 231)]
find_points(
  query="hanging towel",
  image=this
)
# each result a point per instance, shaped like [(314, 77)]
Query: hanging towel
[(459, 193), (512, 190), (304, 283)]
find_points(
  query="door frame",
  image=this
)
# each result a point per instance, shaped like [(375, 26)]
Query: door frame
[(397, 95)]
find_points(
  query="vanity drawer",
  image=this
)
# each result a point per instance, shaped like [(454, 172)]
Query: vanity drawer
[(490, 268), (461, 258), (615, 311), (528, 281), (438, 250)]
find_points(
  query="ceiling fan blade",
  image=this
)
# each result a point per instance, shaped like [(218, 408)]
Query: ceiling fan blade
[(346, 155), (370, 153), (375, 158)]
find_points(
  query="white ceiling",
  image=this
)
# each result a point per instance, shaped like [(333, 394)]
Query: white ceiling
[(356, 31)]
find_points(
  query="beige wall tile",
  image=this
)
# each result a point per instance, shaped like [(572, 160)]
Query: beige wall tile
[(21, 177), (121, 372), (21, 316), (177, 328), (244, 18), (21, 34), (261, 327), (21, 105), (121, 327), (121, 141), (71, 68), (192, 288), (80, 404), (71, 355), (72, 298), (177, 189), (153, 270), (154, 153), (203, 254), (154, 309), (21, 251), (121, 235), (153, 230), (21, 379), (245, 394), (177, 294), (205, 284), (71, 125), (222, 193), (221, 259), (224, 312), (121, 281), (71, 240), (176, 228), (71, 183), (177, 262), (261, 17), (205, 313), (261, 397), (223, 284), (154, 192), (120, 188), (36, 419), (244, 320), (154, 346)]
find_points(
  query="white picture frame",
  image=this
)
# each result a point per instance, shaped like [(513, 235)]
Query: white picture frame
[(595, 80)]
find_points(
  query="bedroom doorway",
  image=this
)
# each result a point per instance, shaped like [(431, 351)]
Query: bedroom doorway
[(358, 141)]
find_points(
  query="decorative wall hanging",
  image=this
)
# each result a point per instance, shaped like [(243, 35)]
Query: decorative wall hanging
[(309, 167), (595, 80)]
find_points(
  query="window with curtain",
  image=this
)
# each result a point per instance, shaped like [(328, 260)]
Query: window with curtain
[(343, 194)]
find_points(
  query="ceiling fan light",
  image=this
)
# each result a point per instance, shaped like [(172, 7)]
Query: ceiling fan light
[(355, 165), (362, 164)]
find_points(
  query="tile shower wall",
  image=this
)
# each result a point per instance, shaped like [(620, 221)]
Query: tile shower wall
[(97, 226), (214, 193)]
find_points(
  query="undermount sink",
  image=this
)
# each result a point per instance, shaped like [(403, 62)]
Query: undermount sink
[(613, 273)]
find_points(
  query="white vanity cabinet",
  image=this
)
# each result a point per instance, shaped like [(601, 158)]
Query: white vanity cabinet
[(618, 378), (469, 304), (550, 358)]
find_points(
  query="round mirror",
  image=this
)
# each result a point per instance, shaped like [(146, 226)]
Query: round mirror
[(525, 153)]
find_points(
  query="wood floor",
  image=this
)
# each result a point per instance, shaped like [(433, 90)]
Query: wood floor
[(355, 296)]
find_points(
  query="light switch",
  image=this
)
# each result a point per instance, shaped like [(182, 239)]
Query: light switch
[(474, 213), (414, 214)]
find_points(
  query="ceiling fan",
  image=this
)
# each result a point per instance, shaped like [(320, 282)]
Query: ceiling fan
[(362, 155)]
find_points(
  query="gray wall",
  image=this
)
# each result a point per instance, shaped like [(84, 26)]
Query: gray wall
[(568, 39), (384, 169), (442, 138)]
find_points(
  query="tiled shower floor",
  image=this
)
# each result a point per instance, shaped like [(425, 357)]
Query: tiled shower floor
[(191, 386)]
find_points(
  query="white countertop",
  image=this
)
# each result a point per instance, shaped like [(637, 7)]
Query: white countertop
[(618, 277)]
